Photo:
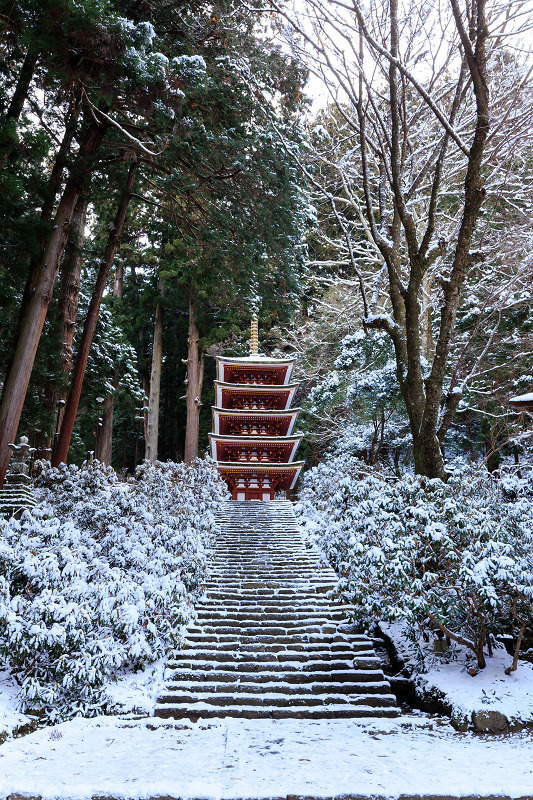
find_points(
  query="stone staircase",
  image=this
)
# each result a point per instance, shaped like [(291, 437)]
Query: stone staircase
[(268, 641)]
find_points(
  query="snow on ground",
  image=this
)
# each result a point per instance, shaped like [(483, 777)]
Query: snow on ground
[(138, 691), (135, 758), (490, 690), (10, 718)]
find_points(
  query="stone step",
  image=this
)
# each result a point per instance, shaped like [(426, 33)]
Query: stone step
[(236, 687), (240, 590), (265, 620), (298, 602), (280, 616), (272, 630), (198, 711), (285, 586), (272, 608), (294, 572), (338, 649), (298, 677), (271, 638), (318, 665), (279, 700), (219, 655), (338, 640)]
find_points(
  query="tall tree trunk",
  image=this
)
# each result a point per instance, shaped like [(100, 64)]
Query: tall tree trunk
[(104, 444), (152, 426), (78, 374), (67, 309), (47, 210), (195, 379), (118, 281), (70, 284), (17, 103), (104, 449), (21, 368)]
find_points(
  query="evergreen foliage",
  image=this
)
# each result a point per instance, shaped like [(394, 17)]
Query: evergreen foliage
[(450, 558), (100, 577)]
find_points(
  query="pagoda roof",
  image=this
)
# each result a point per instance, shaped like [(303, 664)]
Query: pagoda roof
[(289, 444), (274, 412), (241, 369), (256, 387), (223, 417), (281, 396), (296, 437), (290, 471), (256, 359)]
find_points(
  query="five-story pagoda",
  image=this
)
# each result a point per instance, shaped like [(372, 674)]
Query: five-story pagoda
[(253, 441)]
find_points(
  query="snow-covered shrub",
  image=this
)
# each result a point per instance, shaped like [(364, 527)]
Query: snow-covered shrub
[(454, 557), (100, 577)]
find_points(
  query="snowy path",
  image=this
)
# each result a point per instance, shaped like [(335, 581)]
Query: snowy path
[(269, 642), (265, 758)]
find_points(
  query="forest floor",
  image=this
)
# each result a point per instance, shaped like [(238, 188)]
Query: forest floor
[(414, 755)]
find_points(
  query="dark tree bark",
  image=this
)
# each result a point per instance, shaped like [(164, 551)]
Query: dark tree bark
[(21, 368), (104, 445), (195, 378), (70, 283), (47, 210), (104, 449), (152, 425), (7, 146), (78, 374)]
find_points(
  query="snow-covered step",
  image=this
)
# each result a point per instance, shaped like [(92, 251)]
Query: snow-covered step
[(279, 699), (195, 711), (270, 639), (314, 667), (200, 636), (283, 678)]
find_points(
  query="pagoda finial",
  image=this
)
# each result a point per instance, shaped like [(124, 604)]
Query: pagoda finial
[(254, 336)]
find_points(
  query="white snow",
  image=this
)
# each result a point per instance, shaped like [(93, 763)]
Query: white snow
[(138, 691), (489, 690), (10, 717), (263, 758), (522, 398)]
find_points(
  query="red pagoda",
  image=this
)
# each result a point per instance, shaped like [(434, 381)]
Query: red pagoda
[(253, 441)]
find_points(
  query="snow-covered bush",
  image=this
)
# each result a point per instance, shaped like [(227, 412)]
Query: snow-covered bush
[(451, 557), (99, 578)]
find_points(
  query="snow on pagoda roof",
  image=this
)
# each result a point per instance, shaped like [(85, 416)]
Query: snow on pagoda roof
[(288, 443), (296, 437), (256, 412), (257, 358), (256, 387), (292, 470)]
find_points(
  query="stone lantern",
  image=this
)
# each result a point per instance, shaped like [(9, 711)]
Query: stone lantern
[(16, 494)]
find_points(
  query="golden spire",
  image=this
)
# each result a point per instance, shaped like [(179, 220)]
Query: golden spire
[(254, 336)]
